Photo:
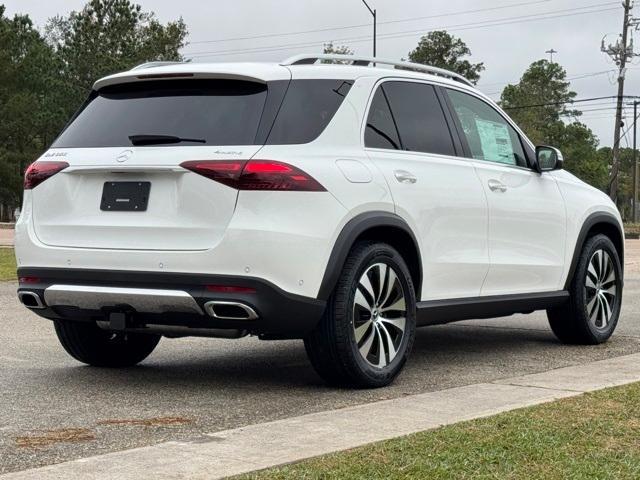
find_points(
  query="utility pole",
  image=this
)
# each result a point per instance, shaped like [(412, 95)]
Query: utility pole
[(375, 24), (621, 52), (635, 163), (551, 52)]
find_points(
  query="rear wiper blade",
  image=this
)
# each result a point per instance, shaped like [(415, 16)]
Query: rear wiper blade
[(161, 139)]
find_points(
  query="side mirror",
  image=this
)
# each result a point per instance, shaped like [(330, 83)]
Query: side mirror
[(548, 158)]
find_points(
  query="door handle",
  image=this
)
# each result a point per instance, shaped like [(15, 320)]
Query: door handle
[(497, 186), (405, 177)]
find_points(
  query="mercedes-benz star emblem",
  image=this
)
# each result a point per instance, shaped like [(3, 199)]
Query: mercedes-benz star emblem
[(124, 156)]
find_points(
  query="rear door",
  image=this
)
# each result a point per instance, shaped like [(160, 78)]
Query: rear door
[(527, 219), (125, 191), (434, 190)]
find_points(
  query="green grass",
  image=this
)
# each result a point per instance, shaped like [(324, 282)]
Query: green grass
[(7, 264), (632, 228), (594, 436)]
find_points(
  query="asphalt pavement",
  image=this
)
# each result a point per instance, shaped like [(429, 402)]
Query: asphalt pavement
[(6, 237), (53, 409)]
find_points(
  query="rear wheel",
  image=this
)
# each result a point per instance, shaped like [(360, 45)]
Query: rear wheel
[(591, 314), (367, 332), (88, 343)]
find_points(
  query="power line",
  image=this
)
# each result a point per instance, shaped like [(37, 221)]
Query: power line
[(585, 118), (627, 130), (578, 76), (467, 26), (557, 104), (589, 110), (597, 103), (389, 22)]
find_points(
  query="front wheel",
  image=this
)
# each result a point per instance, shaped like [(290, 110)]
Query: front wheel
[(591, 314), (367, 331), (88, 343)]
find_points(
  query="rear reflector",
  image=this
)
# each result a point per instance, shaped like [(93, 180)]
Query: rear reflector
[(255, 175), (29, 280), (38, 172), (229, 289)]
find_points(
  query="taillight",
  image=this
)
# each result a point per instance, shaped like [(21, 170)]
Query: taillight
[(38, 172), (227, 172), (255, 175)]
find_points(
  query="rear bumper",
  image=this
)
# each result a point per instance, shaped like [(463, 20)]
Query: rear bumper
[(283, 239), (169, 299)]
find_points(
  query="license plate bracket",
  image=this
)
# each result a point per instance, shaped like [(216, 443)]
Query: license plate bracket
[(125, 196)]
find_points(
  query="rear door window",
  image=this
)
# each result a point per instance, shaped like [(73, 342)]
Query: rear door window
[(219, 112), (419, 117), (307, 109)]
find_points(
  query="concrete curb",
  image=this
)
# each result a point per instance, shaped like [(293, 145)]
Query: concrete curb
[(255, 447)]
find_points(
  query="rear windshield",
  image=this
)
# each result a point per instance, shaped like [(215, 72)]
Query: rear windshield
[(218, 112), (214, 112)]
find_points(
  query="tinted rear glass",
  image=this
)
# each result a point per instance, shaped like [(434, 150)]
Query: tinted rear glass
[(220, 112), (308, 107)]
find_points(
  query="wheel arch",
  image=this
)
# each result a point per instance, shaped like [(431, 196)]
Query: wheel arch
[(386, 227), (596, 223)]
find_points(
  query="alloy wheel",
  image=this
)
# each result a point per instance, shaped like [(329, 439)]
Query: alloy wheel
[(600, 289), (379, 315)]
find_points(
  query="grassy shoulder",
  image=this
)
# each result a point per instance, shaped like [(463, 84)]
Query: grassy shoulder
[(596, 435), (7, 264)]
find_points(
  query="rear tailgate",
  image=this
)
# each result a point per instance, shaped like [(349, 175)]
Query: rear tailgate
[(184, 211), (100, 200)]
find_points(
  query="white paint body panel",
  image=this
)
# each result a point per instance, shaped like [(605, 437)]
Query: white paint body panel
[(527, 230), (471, 243), (449, 219), (185, 211), (581, 201)]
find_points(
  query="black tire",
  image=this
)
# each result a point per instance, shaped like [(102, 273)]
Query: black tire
[(574, 322), (88, 343), (332, 347)]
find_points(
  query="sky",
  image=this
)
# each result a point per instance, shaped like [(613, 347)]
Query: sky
[(507, 35)]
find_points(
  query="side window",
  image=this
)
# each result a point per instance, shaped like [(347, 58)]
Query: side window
[(307, 109), (381, 129), (489, 135), (418, 114)]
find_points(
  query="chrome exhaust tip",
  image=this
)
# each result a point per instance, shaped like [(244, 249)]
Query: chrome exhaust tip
[(31, 300), (223, 310)]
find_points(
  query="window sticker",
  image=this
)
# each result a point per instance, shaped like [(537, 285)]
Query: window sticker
[(495, 141)]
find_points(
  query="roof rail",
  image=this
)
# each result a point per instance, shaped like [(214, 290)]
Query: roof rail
[(142, 66), (310, 59)]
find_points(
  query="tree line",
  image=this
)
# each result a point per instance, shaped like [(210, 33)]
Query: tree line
[(45, 75)]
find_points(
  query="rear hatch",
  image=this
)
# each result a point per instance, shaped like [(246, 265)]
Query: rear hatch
[(124, 187)]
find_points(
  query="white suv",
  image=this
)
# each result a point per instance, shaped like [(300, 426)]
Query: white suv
[(326, 198)]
